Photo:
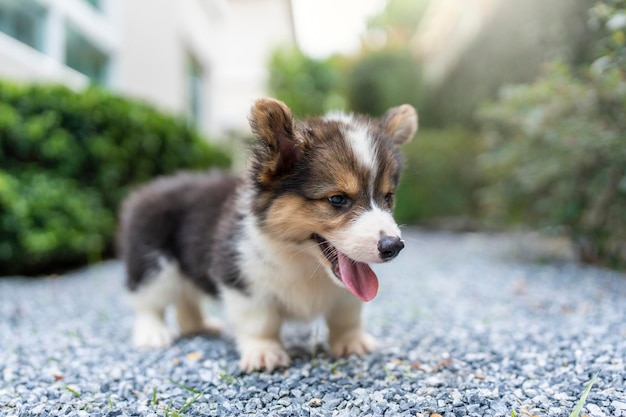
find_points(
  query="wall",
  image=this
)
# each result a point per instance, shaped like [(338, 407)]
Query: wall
[(231, 40), (150, 43)]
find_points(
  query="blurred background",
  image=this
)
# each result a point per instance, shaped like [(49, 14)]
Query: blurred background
[(521, 108)]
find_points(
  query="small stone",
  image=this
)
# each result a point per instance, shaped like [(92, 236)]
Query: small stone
[(457, 398), (284, 401), (434, 381), (360, 393), (619, 405), (377, 396), (315, 402), (595, 411)]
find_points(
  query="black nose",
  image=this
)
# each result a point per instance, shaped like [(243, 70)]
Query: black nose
[(389, 247)]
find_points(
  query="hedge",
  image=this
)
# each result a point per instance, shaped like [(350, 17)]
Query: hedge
[(307, 84), (67, 159), (556, 154), (383, 79), (441, 178), (556, 157)]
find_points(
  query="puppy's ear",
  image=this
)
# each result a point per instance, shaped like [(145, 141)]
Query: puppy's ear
[(400, 123), (278, 149)]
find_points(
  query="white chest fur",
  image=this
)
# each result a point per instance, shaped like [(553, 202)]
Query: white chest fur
[(289, 275)]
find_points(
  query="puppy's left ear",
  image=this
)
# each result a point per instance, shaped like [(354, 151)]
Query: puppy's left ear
[(400, 123), (278, 149)]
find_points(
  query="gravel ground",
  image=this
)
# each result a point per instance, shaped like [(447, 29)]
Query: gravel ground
[(466, 325)]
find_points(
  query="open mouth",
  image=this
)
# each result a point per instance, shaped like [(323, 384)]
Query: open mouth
[(357, 277)]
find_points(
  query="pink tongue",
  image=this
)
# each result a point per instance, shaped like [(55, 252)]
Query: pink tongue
[(358, 277)]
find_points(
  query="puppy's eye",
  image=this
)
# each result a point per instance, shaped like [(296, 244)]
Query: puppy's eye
[(339, 201), (389, 198)]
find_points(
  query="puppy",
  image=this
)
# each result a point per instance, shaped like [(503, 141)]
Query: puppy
[(292, 239)]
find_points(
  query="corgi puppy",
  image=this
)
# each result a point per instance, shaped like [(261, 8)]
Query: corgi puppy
[(291, 239)]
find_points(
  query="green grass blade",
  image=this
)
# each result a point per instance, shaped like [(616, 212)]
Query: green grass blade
[(583, 398), (185, 387), (74, 392), (189, 401)]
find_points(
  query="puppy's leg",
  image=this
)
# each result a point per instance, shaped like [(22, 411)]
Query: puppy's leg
[(149, 301), (345, 335), (189, 312), (257, 332)]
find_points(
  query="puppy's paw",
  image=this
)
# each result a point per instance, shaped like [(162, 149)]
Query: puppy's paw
[(356, 342), (258, 355), (151, 332)]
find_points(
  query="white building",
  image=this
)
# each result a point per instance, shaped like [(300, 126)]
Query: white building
[(203, 59)]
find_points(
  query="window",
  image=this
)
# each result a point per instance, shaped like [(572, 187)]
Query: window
[(83, 56), (23, 20), (195, 92)]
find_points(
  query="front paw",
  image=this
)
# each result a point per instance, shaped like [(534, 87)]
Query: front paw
[(356, 342), (151, 332), (258, 355)]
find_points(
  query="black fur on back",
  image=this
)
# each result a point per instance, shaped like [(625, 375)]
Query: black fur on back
[(175, 218)]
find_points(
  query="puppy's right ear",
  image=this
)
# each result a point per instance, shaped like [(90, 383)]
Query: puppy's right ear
[(400, 123), (278, 150)]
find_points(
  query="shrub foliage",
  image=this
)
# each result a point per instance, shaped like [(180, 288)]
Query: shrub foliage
[(440, 179), (383, 79), (307, 84), (557, 157), (557, 148), (66, 161)]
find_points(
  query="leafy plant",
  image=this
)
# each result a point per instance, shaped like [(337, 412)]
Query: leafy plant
[(383, 79), (610, 17), (48, 219), (441, 177), (307, 84), (557, 157), (67, 159), (556, 149), (398, 20)]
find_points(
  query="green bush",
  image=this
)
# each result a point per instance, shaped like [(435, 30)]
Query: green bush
[(556, 150), (383, 79), (308, 85), (48, 219), (557, 157), (66, 161), (440, 179)]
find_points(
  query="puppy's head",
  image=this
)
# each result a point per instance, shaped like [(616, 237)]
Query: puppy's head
[(329, 183)]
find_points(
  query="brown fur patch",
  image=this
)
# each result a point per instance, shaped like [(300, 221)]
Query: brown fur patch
[(293, 218), (279, 148), (343, 181), (271, 119)]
